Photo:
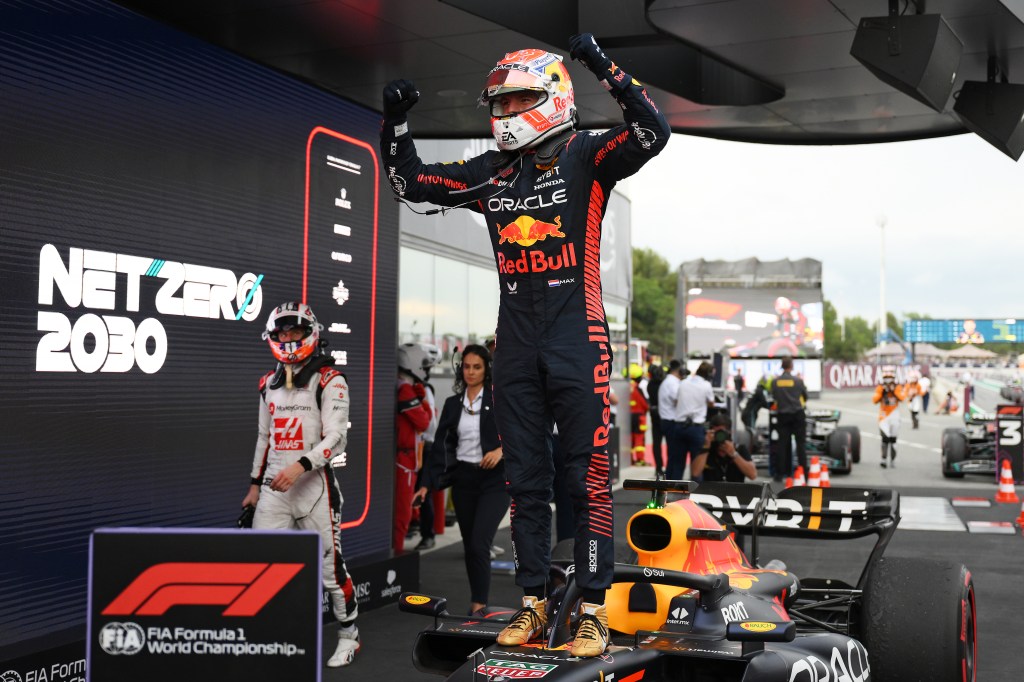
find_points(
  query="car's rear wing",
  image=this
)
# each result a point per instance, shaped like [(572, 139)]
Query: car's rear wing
[(841, 511), (802, 511)]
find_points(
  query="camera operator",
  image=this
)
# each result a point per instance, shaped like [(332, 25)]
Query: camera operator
[(721, 460)]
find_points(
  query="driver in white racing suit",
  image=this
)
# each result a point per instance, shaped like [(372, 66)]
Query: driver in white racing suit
[(303, 421)]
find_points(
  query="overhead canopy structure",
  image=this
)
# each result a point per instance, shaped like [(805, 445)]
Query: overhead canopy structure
[(970, 353), (751, 272), (927, 351), (777, 71), (888, 351)]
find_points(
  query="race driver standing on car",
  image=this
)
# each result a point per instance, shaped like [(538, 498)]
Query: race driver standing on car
[(303, 425), (544, 195)]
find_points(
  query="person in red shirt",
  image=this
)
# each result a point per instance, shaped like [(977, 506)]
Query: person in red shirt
[(638, 408), (411, 419)]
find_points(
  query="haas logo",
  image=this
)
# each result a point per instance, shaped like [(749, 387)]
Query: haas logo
[(288, 433)]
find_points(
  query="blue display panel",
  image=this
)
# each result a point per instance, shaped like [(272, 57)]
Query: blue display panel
[(158, 197), (964, 331)]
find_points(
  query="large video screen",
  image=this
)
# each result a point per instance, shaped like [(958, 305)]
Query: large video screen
[(755, 323), (158, 198), (969, 331)]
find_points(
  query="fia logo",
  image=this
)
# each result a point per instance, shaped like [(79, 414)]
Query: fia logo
[(119, 639)]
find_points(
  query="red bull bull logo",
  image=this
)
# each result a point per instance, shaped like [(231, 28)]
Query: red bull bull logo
[(525, 231)]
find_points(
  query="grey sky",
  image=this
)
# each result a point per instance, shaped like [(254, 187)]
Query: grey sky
[(954, 211)]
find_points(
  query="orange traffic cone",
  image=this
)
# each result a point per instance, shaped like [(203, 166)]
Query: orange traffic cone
[(1006, 493), (814, 477), (789, 481), (798, 477), (1020, 519), (825, 482)]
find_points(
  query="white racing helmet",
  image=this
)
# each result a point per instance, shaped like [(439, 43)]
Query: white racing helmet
[(536, 71), (888, 374), (288, 316), (417, 358)]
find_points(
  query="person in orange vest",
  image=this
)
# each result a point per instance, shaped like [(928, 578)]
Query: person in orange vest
[(913, 392), (888, 396), (638, 408)]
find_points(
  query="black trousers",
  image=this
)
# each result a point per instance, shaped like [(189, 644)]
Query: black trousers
[(566, 383), (657, 437), (480, 502), (790, 425)]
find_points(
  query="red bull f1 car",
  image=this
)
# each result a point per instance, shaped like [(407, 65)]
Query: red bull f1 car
[(692, 608)]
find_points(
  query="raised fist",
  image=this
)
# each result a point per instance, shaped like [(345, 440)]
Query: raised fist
[(584, 49), (419, 390), (399, 97)]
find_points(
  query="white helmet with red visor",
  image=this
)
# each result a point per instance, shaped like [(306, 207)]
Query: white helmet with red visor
[(529, 73), (287, 317)]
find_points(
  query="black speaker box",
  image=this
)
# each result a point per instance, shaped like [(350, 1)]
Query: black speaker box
[(993, 111), (918, 54)]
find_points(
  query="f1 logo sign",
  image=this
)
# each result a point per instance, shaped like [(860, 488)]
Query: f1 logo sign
[(243, 588)]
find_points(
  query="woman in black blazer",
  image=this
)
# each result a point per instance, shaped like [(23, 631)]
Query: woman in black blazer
[(467, 456)]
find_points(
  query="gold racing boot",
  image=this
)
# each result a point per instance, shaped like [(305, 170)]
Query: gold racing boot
[(592, 632), (527, 624)]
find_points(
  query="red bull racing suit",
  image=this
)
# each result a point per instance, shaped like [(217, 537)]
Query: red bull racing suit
[(307, 424), (552, 356)]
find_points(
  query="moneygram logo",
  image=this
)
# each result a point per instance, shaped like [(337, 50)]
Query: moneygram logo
[(101, 280), (243, 588)]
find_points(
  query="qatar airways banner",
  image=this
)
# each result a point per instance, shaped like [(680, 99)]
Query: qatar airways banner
[(858, 375)]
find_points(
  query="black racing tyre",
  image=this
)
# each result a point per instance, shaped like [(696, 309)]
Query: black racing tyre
[(854, 441), (917, 620), (954, 449), (837, 446)]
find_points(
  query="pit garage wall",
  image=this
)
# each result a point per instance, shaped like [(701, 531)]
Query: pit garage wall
[(144, 174)]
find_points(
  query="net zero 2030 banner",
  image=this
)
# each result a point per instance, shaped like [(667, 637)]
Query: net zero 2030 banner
[(158, 197)]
